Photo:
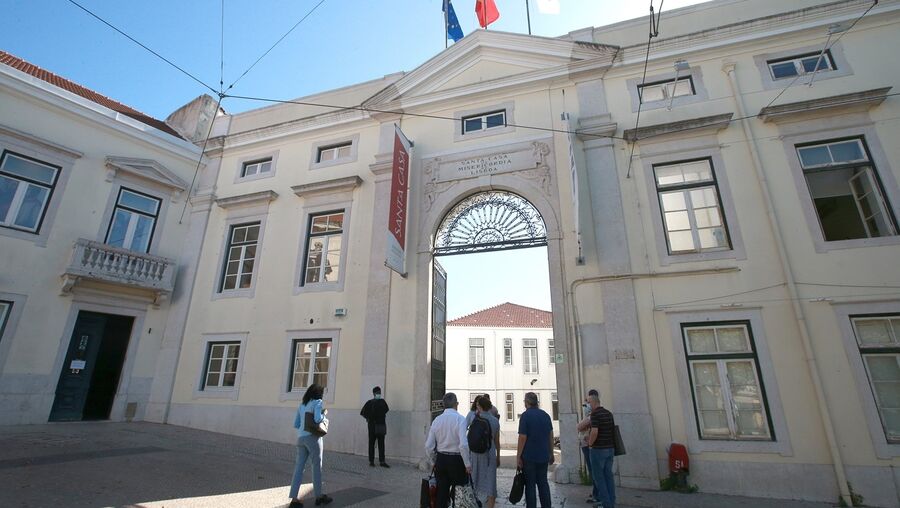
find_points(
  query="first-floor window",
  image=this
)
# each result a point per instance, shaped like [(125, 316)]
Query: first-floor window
[(253, 168), (26, 185), (484, 121), (510, 408), (221, 364), (529, 356), (243, 240), (473, 396), (666, 90), (323, 248), (133, 221), (878, 338), (729, 398), (507, 351), (555, 402), (334, 152), (4, 312), (312, 359), (551, 350), (476, 356), (690, 206)]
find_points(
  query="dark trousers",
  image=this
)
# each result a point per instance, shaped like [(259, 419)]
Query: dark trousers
[(376, 435), (536, 475), (449, 470), (586, 451)]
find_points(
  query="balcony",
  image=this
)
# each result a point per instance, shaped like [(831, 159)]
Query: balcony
[(96, 262)]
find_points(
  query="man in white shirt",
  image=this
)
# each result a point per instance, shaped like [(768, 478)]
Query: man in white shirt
[(448, 449)]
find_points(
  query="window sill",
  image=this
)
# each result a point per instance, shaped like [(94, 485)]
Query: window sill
[(689, 257), (484, 133), (230, 394), (319, 287), (29, 236), (823, 246), (734, 446), (258, 176), (333, 162), (234, 293)]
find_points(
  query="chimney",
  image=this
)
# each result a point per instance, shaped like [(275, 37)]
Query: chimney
[(193, 119)]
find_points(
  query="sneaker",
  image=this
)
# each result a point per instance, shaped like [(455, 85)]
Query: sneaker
[(323, 499), (385, 464), (589, 500), (295, 504)]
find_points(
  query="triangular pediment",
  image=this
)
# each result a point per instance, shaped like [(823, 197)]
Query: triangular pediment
[(487, 60), (146, 169)]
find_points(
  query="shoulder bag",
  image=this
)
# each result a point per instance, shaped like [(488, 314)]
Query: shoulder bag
[(310, 425), (518, 487), (618, 443)]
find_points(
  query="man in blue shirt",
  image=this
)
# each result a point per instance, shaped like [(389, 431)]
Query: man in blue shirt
[(535, 451)]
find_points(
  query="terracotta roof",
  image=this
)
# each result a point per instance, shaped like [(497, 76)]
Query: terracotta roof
[(75, 88), (506, 315)]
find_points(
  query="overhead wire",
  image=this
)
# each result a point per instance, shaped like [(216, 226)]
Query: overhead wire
[(654, 32), (222, 50)]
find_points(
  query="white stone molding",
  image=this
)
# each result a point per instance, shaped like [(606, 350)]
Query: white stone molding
[(262, 198), (843, 103), (696, 126), (148, 170), (333, 186)]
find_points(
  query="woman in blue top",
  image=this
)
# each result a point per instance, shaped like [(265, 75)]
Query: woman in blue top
[(309, 446)]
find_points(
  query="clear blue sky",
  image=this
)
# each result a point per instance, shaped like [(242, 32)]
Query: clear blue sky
[(343, 42)]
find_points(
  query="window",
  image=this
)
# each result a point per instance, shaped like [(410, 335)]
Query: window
[(510, 407), (133, 221), (241, 252), (551, 350), (4, 313), (323, 248), (665, 90), (728, 395), (878, 338), (554, 401), (530, 356), (799, 65), (312, 359), (333, 152), (690, 206), (476, 356), (473, 396), (483, 122), (257, 167), (507, 351), (846, 190), (25, 188), (221, 365)]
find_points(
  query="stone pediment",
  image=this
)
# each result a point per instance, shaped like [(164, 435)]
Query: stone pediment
[(148, 170), (487, 60)]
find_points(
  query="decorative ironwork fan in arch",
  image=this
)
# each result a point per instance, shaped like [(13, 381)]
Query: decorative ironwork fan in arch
[(490, 221)]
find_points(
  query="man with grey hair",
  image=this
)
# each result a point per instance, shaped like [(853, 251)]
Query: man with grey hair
[(443, 448), (535, 451)]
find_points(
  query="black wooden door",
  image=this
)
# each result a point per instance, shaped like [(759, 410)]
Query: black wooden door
[(75, 378), (438, 339)]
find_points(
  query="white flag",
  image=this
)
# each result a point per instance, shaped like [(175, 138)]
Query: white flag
[(548, 6)]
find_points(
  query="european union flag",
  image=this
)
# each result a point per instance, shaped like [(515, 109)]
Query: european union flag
[(453, 29)]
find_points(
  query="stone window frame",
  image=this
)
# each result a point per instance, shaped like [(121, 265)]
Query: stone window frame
[(696, 76), (473, 348), (47, 152), (713, 153), (231, 393), (537, 357), (505, 349), (811, 132), (838, 59), (257, 157), (767, 370), (509, 109), (843, 313), (10, 323), (132, 184), (253, 207), (509, 406), (332, 334), (317, 146)]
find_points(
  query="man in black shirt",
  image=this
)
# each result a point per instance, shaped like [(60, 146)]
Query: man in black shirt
[(374, 411), (602, 443)]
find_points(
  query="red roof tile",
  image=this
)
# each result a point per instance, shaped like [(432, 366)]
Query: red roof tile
[(65, 84), (506, 315)]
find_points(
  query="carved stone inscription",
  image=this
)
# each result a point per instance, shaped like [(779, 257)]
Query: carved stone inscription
[(472, 167)]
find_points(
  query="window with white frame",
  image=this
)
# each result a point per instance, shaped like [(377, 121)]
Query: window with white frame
[(473, 396), (846, 190), (878, 338), (26, 186), (554, 402), (666, 90), (256, 167), (507, 351), (312, 359), (799, 65), (334, 152), (729, 396), (510, 407), (4, 314), (551, 350), (476, 356), (221, 365), (133, 220), (484, 121), (529, 356), (324, 240), (691, 207), (240, 257)]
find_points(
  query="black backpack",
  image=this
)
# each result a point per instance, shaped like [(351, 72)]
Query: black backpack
[(479, 435)]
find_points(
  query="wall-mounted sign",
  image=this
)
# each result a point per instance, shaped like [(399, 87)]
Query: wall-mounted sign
[(395, 257), (488, 164), (77, 364)]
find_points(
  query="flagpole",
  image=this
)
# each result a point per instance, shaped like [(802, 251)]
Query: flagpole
[(484, 13), (528, 14), (446, 25)]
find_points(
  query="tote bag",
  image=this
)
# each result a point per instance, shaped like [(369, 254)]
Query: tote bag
[(518, 487)]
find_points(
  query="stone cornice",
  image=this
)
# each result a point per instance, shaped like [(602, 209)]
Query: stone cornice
[(337, 185), (714, 123), (596, 127), (48, 145), (383, 165), (251, 199), (858, 100)]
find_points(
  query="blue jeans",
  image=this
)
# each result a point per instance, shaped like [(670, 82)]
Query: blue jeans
[(602, 476), (586, 451), (308, 447), (536, 475)]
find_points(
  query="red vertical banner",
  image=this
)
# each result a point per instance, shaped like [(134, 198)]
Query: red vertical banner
[(395, 257)]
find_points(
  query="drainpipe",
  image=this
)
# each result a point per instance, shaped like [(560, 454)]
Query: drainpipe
[(812, 366)]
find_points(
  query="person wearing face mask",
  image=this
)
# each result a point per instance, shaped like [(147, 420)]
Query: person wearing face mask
[(584, 432), (374, 411)]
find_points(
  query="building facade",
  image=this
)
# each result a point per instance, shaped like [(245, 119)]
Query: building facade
[(722, 235), (504, 351)]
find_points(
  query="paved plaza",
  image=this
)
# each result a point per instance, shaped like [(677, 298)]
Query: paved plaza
[(163, 466)]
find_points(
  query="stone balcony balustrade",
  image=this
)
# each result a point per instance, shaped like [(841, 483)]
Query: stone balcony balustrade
[(97, 262)]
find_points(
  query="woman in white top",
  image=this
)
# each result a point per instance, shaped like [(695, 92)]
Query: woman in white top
[(309, 446)]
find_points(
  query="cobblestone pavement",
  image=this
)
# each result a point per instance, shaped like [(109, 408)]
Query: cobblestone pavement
[(162, 466)]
